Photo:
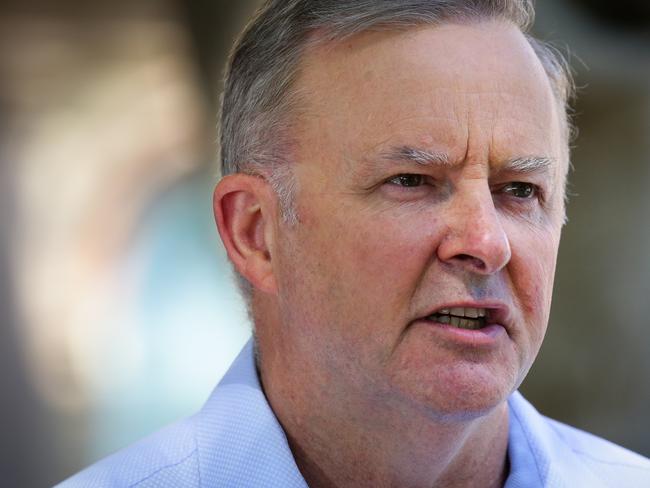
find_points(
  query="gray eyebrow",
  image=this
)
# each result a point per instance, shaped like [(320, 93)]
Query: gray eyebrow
[(414, 155), (524, 164), (528, 164)]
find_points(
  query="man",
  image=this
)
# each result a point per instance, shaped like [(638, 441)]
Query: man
[(393, 200)]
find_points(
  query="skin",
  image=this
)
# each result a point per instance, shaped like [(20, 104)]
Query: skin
[(368, 392)]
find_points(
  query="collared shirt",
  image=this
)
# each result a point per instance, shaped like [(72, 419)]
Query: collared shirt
[(236, 441)]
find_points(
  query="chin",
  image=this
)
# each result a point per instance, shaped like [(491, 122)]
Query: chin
[(463, 411), (459, 398)]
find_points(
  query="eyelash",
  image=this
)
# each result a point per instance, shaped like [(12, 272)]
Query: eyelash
[(534, 191), (421, 180)]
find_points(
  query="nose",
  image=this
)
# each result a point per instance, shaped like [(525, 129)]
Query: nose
[(475, 239)]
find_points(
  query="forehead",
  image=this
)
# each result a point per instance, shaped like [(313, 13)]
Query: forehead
[(469, 90)]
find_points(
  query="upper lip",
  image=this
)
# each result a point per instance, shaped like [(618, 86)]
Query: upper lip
[(497, 312)]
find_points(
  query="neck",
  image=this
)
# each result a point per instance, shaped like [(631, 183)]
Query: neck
[(382, 447), (346, 434)]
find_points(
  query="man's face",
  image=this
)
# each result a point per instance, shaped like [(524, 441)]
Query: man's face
[(430, 170)]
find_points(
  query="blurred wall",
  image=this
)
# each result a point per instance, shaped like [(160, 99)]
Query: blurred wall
[(118, 312), (592, 370), (116, 288)]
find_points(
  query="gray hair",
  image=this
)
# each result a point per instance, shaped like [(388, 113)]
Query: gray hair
[(259, 102)]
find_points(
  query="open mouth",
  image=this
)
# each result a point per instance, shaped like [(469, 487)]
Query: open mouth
[(461, 317)]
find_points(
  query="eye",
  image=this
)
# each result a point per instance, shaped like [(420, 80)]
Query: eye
[(407, 180), (520, 189)]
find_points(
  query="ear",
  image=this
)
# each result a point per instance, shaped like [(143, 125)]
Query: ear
[(244, 208)]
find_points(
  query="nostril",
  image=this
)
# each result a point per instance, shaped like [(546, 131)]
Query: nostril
[(471, 261)]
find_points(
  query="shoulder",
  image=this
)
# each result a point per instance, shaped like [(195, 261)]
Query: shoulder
[(611, 462), (169, 456), (564, 455), (234, 440)]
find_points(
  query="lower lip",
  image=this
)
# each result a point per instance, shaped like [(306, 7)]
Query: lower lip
[(486, 336)]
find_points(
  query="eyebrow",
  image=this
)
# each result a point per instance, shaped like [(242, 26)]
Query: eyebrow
[(409, 154), (424, 157), (528, 164)]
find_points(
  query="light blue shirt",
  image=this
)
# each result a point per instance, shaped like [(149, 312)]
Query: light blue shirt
[(236, 441)]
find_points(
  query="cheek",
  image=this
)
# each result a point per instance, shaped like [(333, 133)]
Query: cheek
[(389, 254), (367, 266), (532, 272)]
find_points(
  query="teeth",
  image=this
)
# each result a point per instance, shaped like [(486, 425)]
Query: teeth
[(463, 318), (444, 319), (471, 312), (469, 324)]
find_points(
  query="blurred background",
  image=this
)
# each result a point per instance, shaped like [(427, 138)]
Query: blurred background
[(118, 313)]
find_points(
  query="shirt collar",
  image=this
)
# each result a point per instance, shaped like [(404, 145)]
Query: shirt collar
[(240, 441), (539, 457)]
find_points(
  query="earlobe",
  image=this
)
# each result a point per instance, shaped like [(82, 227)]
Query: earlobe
[(243, 209)]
